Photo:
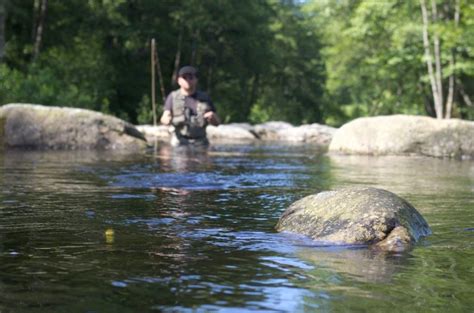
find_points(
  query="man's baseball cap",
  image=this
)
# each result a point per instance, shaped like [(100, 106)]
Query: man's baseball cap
[(187, 70)]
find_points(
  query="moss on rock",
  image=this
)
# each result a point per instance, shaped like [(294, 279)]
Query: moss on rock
[(361, 215)]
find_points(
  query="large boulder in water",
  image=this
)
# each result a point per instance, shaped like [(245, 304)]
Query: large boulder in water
[(405, 135), (43, 127), (362, 215)]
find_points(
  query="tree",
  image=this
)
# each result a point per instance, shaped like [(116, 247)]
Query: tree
[(369, 48), (292, 87), (445, 22), (3, 14), (228, 41), (41, 6), (374, 55), (299, 61)]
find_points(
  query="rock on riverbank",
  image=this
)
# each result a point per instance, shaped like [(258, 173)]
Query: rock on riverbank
[(243, 132), (361, 215), (405, 134), (43, 127)]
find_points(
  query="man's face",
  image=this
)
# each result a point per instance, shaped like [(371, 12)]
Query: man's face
[(187, 81)]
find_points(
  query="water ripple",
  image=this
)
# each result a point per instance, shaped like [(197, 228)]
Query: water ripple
[(204, 181)]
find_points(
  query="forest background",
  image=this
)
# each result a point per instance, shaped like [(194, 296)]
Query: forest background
[(325, 61)]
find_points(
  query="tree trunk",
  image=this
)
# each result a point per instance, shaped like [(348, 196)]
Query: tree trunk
[(209, 79), (428, 104), (3, 17), (177, 58), (429, 62), (253, 92), (450, 98), (34, 25), (153, 84), (40, 28), (464, 95), (452, 63), (160, 76), (467, 102), (437, 56), (194, 48)]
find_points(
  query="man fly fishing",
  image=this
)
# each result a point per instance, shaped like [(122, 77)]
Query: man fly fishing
[(189, 110)]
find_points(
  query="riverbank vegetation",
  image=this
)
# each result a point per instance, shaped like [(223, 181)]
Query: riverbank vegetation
[(297, 61)]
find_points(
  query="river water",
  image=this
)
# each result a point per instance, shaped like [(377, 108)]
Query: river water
[(193, 231)]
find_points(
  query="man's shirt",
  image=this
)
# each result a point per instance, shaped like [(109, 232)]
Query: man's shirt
[(190, 101)]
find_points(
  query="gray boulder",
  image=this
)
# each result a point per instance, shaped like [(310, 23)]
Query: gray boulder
[(282, 131), (311, 133), (405, 135), (155, 133), (43, 127), (271, 130), (244, 133), (362, 215), (231, 133), (223, 133)]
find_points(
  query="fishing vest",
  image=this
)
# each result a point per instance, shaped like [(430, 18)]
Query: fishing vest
[(186, 123)]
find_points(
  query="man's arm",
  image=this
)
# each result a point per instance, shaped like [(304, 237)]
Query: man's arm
[(166, 117), (212, 118), (211, 115)]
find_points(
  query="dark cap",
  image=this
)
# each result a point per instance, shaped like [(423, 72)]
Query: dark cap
[(187, 70)]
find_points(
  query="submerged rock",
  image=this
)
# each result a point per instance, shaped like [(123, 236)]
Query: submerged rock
[(405, 135), (362, 215), (43, 127)]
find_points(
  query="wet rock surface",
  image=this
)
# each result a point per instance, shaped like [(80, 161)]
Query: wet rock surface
[(405, 135), (360, 215), (29, 126)]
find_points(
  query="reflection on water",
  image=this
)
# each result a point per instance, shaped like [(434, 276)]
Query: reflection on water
[(360, 264), (193, 230), (405, 175)]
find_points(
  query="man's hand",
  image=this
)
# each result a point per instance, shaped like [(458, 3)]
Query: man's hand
[(212, 118), (166, 117)]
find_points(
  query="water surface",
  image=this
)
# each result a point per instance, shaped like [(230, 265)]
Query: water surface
[(193, 231)]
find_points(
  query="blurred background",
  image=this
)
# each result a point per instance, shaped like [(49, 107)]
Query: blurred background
[(296, 61)]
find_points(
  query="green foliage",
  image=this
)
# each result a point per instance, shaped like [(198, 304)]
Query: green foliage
[(260, 113), (374, 56), (62, 76), (297, 61), (145, 113), (370, 68), (295, 77)]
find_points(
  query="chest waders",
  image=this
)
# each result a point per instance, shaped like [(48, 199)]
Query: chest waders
[(189, 126)]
